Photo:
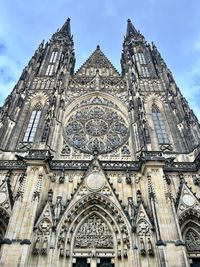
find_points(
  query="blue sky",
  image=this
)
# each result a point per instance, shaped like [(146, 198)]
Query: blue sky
[(173, 25)]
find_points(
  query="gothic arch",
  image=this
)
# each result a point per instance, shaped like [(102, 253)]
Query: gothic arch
[(36, 98), (154, 98), (190, 228), (98, 213), (103, 208), (32, 123), (152, 103), (96, 122), (120, 106)]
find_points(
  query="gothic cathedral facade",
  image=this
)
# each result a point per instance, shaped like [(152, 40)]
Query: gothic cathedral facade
[(98, 168)]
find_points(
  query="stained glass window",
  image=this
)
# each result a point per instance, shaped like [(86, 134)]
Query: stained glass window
[(141, 58), (52, 61), (32, 125), (159, 126), (53, 57), (143, 65)]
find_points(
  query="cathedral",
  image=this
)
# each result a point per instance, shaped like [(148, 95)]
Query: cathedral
[(98, 168)]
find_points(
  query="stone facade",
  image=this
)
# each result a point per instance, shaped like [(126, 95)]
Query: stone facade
[(98, 168)]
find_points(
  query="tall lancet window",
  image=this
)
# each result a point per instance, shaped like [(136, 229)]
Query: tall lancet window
[(52, 62), (32, 124), (143, 64), (159, 126)]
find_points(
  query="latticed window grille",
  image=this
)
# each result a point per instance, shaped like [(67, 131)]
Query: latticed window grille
[(52, 61), (145, 71), (159, 126), (53, 57), (32, 125), (141, 58), (143, 65), (49, 70)]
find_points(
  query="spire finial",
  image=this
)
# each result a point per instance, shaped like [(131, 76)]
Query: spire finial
[(66, 27), (130, 28)]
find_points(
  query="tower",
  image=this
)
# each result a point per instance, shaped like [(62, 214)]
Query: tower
[(98, 168)]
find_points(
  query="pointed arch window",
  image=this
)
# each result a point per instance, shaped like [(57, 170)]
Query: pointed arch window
[(141, 58), (52, 61), (192, 240), (145, 71), (32, 124), (143, 64), (159, 126), (53, 57)]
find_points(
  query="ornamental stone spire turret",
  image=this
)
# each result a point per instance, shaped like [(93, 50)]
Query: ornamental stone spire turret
[(132, 34), (66, 29)]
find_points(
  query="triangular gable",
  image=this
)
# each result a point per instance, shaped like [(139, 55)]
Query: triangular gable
[(5, 198), (95, 181), (46, 215), (187, 200), (143, 223), (97, 62)]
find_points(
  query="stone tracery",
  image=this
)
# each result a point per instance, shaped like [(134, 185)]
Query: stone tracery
[(192, 240), (96, 128)]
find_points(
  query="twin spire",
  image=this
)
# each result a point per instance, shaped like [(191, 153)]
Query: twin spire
[(131, 31)]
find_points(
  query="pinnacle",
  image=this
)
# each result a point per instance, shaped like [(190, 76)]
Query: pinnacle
[(66, 27), (130, 28)]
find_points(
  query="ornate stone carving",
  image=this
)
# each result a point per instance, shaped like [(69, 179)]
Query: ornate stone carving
[(58, 208), (196, 179), (96, 128), (192, 240), (143, 228), (94, 233), (44, 227)]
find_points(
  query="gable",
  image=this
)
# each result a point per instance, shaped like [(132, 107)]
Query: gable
[(97, 62)]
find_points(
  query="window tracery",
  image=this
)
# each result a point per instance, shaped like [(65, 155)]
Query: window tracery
[(96, 128), (159, 126), (143, 64), (52, 61), (53, 56), (32, 125), (141, 58), (192, 240)]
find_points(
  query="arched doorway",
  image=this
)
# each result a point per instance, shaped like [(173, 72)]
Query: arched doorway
[(94, 238), (95, 233), (191, 236)]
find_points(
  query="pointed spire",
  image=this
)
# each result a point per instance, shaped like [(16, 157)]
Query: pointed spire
[(133, 34), (130, 29), (66, 27)]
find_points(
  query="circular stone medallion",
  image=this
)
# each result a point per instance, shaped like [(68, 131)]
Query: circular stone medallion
[(95, 181), (188, 200), (2, 197)]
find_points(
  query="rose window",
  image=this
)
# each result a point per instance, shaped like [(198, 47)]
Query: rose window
[(96, 128)]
